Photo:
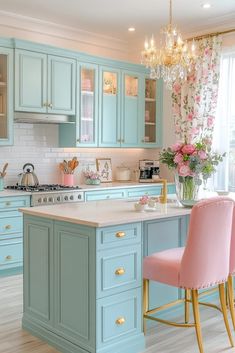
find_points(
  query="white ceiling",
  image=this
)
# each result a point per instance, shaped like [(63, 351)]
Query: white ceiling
[(113, 17)]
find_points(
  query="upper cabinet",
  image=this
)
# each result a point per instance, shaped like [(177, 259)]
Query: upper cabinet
[(6, 96), (44, 83)]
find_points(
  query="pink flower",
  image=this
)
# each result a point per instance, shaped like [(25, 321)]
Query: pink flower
[(184, 170), (176, 88), (176, 147), (190, 117), (188, 149), (202, 154), (210, 121), (144, 200), (197, 99), (178, 158)]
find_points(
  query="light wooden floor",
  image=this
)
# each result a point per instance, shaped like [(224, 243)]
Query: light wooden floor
[(164, 339)]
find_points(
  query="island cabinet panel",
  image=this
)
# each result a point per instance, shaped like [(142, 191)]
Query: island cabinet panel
[(161, 235), (75, 284), (38, 290)]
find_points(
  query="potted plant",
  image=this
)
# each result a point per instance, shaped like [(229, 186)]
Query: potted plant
[(91, 177), (192, 164)]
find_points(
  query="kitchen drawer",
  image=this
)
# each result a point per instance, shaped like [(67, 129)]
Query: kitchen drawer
[(11, 253), (105, 195), (119, 317), (122, 235), (11, 225), (14, 202), (118, 270), (138, 192)]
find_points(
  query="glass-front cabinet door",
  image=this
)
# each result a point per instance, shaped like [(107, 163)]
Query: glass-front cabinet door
[(88, 105), (109, 128), (152, 127), (6, 96), (131, 109)]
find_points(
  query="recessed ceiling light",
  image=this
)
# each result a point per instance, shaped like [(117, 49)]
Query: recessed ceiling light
[(131, 29), (206, 5)]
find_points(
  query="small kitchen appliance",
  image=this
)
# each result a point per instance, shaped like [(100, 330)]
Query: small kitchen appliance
[(149, 170)]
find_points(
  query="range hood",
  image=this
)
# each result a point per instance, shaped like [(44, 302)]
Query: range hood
[(37, 118)]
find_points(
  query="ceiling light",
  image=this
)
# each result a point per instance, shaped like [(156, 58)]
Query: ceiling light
[(131, 29), (173, 60), (207, 5)]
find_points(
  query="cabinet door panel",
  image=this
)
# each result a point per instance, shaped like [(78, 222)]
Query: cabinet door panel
[(109, 134), (61, 85), (30, 81)]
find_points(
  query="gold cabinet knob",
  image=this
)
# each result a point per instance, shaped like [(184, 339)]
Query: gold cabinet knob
[(120, 271), (108, 197), (50, 105), (120, 321), (8, 203), (78, 140), (120, 234), (8, 226), (8, 257)]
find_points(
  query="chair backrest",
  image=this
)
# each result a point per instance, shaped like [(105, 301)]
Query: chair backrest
[(232, 252), (206, 259)]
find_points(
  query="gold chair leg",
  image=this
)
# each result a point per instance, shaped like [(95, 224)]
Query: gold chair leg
[(224, 311), (231, 299), (145, 301), (186, 305), (197, 319)]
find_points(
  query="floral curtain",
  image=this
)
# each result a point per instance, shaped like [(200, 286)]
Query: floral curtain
[(194, 101)]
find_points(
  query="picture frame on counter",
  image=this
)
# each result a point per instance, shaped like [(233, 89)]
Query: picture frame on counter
[(104, 167)]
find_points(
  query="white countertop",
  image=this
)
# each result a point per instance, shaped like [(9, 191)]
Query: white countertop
[(118, 184), (7, 193), (104, 213)]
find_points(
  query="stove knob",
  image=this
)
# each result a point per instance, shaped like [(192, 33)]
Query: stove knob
[(50, 199), (66, 198), (45, 199), (71, 197), (39, 200), (79, 197), (58, 198)]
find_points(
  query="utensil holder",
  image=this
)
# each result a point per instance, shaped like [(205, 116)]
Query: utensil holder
[(68, 179), (1, 183)]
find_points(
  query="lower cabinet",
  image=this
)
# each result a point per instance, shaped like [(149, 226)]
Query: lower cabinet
[(11, 233)]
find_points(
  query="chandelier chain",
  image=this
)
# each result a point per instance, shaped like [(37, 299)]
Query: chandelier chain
[(170, 16)]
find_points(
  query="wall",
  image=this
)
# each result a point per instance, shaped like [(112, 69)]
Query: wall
[(37, 144)]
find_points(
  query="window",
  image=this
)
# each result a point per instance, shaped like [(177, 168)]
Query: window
[(224, 137)]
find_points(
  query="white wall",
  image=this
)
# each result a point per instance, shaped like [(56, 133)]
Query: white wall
[(37, 144)]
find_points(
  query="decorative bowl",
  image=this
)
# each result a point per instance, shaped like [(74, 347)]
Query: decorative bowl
[(139, 207)]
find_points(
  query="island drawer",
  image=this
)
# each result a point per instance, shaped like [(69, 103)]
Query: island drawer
[(118, 270), (119, 316), (11, 253), (9, 203), (11, 225), (122, 235)]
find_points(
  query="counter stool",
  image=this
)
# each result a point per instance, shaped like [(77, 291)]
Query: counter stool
[(203, 263), (232, 274)]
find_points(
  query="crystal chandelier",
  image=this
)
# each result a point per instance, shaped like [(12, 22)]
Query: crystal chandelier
[(173, 59)]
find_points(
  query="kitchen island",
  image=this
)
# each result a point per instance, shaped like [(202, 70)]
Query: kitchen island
[(83, 272)]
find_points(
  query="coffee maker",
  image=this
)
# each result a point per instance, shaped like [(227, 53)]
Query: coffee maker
[(149, 170)]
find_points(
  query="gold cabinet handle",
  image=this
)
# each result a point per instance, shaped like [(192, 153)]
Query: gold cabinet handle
[(8, 257), (8, 226), (50, 105), (120, 321), (120, 234), (78, 140), (8, 203), (120, 271)]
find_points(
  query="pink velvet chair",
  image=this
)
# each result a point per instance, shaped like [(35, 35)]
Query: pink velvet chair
[(232, 273), (203, 263)]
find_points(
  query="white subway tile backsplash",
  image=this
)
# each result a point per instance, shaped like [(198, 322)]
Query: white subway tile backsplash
[(37, 144)]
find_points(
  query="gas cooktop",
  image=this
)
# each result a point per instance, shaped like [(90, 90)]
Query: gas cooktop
[(43, 188)]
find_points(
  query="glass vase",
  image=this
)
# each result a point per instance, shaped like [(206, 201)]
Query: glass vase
[(187, 189), (92, 181)]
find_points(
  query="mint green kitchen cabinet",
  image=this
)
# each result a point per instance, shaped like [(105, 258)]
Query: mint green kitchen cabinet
[(44, 83), (11, 233), (85, 132), (6, 96), (110, 107)]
